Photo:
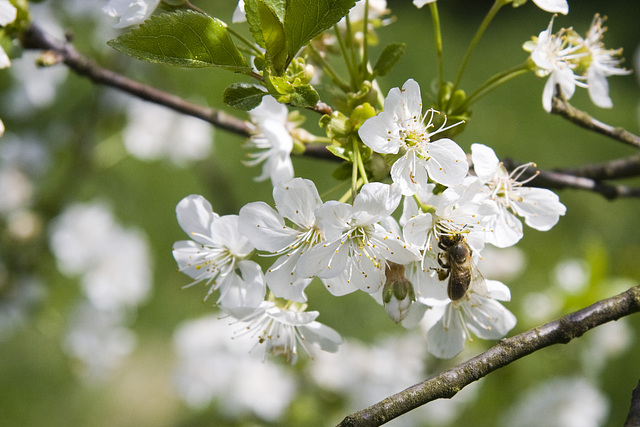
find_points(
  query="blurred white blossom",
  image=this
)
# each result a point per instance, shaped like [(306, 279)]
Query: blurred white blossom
[(113, 262), (130, 12), (99, 340), (154, 132), (560, 402), (212, 366)]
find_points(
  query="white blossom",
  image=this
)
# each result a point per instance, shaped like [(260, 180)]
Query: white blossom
[(555, 56), (356, 250), (8, 14), (281, 329), (475, 312), (603, 63), (130, 12), (213, 365), (265, 227), (271, 136), (553, 6), (155, 132), (401, 128), (559, 402), (217, 255), (541, 208)]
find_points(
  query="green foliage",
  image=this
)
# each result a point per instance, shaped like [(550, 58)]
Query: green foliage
[(243, 96), (283, 28), (388, 58), (183, 38)]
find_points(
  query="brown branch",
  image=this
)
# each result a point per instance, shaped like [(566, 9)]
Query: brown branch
[(34, 38), (589, 177), (561, 106), (633, 419), (450, 382)]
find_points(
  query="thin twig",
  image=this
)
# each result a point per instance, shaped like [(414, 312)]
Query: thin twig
[(561, 106), (587, 178), (450, 382), (35, 38)]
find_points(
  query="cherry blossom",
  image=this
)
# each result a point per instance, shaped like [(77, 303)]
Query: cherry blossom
[(357, 248), (401, 128), (217, 255), (541, 208), (271, 136), (265, 227)]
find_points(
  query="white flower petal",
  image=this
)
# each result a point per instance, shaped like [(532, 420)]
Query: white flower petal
[(598, 88), (485, 161), (195, 216), (296, 200), (282, 278), (241, 295), (448, 163), (417, 230), (324, 260), (541, 208), (408, 172), (553, 6), (380, 133), (375, 202), (323, 336), (264, 227), (446, 338), (487, 318), (8, 13)]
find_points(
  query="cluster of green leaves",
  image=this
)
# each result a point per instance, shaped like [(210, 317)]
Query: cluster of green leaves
[(279, 27)]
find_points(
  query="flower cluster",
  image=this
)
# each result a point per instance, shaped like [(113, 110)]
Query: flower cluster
[(570, 60), (424, 260)]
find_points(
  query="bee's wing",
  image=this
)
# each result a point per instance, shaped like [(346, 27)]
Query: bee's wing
[(478, 284)]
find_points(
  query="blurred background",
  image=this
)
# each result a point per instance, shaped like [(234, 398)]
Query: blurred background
[(95, 328)]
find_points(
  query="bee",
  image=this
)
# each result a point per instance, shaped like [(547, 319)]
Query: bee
[(457, 264)]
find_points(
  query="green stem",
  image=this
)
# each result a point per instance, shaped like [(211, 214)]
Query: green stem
[(354, 170), (438, 36), (327, 68), (365, 40), (343, 49), (476, 38), (494, 82), (246, 41)]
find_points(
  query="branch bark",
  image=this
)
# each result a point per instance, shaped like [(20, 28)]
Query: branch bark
[(633, 419), (35, 38), (561, 106), (588, 177), (506, 351)]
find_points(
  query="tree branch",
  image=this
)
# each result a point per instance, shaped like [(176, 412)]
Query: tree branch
[(633, 419), (35, 38), (588, 177), (561, 106), (506, 351)]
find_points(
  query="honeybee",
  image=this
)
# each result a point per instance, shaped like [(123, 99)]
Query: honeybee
[(457, 264)]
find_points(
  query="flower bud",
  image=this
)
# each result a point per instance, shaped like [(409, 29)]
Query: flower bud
[(397, 294)]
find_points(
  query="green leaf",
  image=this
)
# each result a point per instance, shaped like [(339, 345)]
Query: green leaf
[(305, 19), (338, 151), (253, 19), (243, 96), (304, 96), (183, 38), (388, 58), (274, 38)]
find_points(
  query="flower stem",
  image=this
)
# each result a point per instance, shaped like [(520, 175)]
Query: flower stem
[(327, 68), (476, 38), (438, 36), (343, 49), (494, 82), (246, 41)]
